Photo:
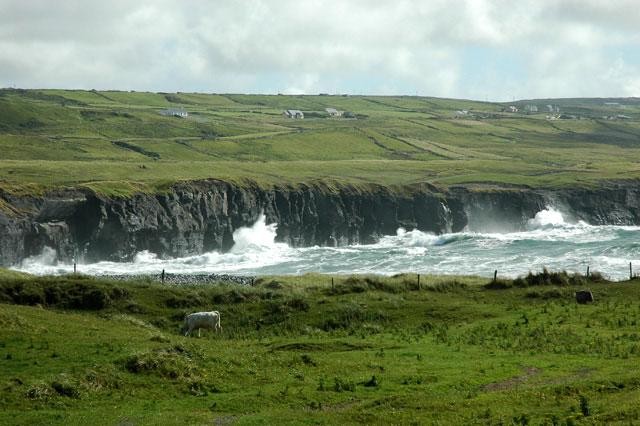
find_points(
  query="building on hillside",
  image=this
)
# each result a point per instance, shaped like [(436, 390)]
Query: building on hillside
[(512, 108), (334, 112), (173, 112), (293, 113), (463, 113), (553, 108)]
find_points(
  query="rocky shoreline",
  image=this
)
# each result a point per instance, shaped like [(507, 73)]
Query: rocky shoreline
[(182, 279), (197, 217)]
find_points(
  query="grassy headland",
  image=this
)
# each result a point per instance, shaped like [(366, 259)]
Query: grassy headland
[(119, 143), (79, 350)]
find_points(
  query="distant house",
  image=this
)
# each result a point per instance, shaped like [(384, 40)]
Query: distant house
[(461, 113), (294, 113), (334, 112), (512, 108), (172, 112)]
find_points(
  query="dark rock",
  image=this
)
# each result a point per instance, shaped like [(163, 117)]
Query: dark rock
[(197, 217), (584, 296)]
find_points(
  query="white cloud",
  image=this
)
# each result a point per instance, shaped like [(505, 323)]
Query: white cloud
[(566, 48)]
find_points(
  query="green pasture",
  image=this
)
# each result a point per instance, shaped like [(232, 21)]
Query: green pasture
[(306, 350), (111, 140)]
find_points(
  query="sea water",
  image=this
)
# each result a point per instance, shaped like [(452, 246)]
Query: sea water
[(549, 240)]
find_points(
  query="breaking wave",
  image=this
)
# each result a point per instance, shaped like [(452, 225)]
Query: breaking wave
[(549, 240)]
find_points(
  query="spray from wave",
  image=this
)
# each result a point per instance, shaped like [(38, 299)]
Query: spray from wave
[(547, 218), (549, 240)]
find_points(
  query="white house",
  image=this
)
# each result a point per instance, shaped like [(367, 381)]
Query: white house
[(334, 112), (172, 112), (294, 113)]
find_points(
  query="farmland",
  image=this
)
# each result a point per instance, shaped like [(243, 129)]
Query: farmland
[(367, 349), (119, 142)]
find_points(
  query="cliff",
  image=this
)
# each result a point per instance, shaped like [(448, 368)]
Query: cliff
[(201, 216)]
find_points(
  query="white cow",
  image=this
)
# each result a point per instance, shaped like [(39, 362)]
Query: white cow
[(201, 320)]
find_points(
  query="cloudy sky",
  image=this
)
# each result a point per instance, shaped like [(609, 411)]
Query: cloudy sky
[(478, 49)]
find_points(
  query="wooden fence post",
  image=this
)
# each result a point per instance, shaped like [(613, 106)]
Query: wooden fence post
[(418, 281), (630, 272), (332, 286), (495, 275), (587, 271)]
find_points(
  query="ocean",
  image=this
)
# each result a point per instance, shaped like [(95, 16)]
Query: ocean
[(549, 240)]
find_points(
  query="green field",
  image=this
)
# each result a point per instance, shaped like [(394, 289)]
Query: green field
[(453, 350), (119, 142)]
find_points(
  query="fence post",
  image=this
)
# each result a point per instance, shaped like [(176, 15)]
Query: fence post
[(495, 275), (587, 271), (332, 287), (163, 276), (630, 272), (418, 281)]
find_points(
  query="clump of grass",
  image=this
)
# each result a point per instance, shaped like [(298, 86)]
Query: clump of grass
[(66, 388), (585, 408), (173, 363), (373, 382), (546, 278), (499, 284), (343, 385), (362, 284), (75, 292), (546, 295)]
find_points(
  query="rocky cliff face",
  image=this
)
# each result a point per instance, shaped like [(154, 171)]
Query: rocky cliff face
[(201, 216)]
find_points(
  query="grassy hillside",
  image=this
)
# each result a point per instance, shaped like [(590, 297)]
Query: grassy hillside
[(78, 350), (119, 142)]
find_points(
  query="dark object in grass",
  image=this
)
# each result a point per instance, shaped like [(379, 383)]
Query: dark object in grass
[(584, 406), (66, 389), (584, 296), (372, 382)]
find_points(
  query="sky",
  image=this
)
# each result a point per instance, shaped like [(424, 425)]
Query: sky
[(496, 50)]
